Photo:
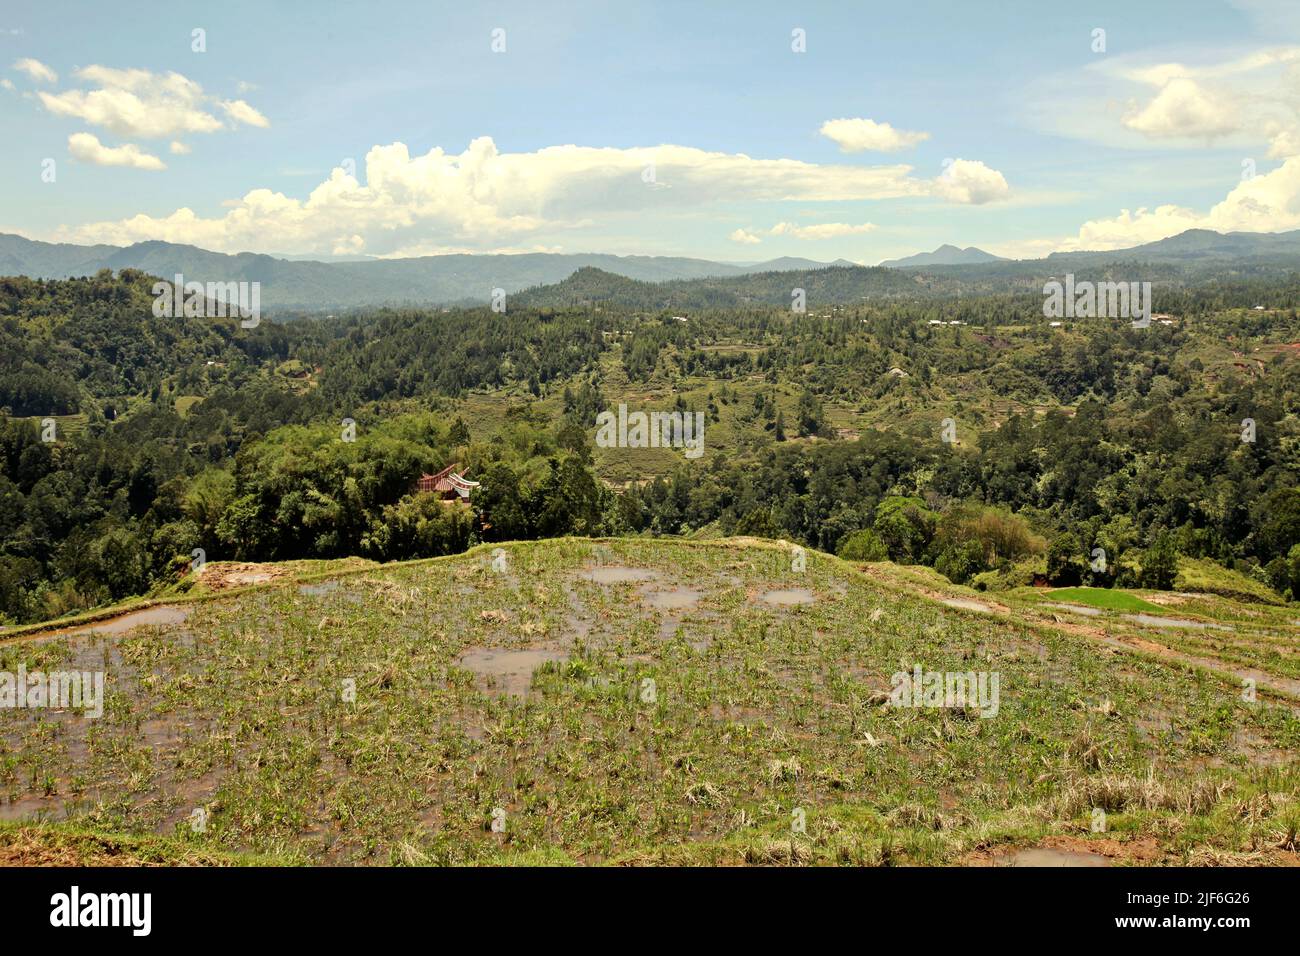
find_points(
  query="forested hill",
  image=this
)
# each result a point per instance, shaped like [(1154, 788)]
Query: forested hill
[(822, 428), (1276, 283), (832, 284)]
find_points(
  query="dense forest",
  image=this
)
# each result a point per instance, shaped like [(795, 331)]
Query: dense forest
[(127, 441)]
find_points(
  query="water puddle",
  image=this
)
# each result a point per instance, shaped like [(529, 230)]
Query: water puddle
[(1075, 608), (618, 575), (674, 600), (32, 807), (162, 616), (319, 589), (1152, 621), (508, 673), (966, 604), (788, 597)]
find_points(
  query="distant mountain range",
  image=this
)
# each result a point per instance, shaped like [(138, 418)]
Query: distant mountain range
[(1204, 244), (945, 255), (789, 264), (313, 285), (308, 285)]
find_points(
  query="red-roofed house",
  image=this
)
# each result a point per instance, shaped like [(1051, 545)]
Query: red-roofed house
[(448, 483)]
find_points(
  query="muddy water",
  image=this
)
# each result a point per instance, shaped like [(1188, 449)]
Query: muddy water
[(161, 616), (319, 589), (1285, 685), (788, 597), (1075, 608), (1152, 621), (32, 807), (1045, 856), (507, 672), (967, 604), (618, 575), (675, 600)]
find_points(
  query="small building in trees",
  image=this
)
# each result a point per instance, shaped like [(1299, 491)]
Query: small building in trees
[(449, 484)]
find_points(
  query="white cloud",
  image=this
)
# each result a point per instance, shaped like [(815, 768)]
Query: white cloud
[(1136, 100), (1284, 142), (1266, 203), (87, 148), (827, 230), (1269, 202), (744, 237), (7, 84), (486, 197), (178, 148), (141, 104), (1185, 108), (241, 112), (970, 181), (37, 70), (860, 135), (348, 246)]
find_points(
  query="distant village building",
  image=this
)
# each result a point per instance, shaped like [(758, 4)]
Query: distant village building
[(448, 484)]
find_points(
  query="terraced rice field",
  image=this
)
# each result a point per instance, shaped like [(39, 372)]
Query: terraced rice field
[(655, 701)]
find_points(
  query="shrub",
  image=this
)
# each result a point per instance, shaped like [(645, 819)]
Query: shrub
[(864, 545), (959, 561)]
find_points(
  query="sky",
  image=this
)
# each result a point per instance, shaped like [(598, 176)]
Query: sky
[(730, 131)]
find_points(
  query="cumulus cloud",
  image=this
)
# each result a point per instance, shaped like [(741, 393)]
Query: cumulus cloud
[(37, 70), (178, 148), (1184, 107), (87, 148), (1136, 101), (744, 237), (1269, 202), (826, 230), (861, 135), (487, 197), (141, 104), (970, 181), (1265, 203)]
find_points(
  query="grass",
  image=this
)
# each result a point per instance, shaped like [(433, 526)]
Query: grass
[(50, 844), (1111, 599), (1204, 575), (680, 719)]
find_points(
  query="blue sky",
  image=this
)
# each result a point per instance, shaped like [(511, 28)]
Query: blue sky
[(648, 128)]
